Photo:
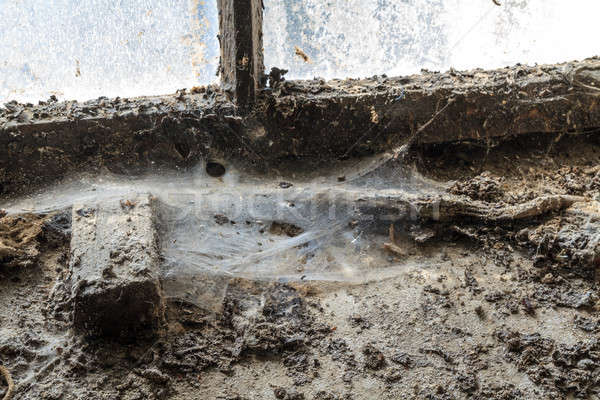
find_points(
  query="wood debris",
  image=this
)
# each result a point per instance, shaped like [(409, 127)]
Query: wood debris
[(11, 385), (374, 116), (128, 204), (300, 53), (391, 246)]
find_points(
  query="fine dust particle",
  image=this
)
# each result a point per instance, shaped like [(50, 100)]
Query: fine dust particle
[(77, 68), (300, 53)]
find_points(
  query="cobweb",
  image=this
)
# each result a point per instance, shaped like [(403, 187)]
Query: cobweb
[(252, 227)]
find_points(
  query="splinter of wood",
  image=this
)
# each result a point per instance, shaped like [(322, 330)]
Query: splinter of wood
[(11, 385)]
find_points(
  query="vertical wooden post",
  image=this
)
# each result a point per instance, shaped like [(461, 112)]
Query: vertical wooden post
[(242, 64)]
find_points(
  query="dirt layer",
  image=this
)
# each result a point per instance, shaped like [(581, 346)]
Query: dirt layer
[(487, 310), (496, 300)]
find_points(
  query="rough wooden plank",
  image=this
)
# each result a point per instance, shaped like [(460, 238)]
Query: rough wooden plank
[(365, 115), (115, 267), (316, 119), (242, 65)]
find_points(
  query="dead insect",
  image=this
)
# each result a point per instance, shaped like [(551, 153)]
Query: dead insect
[(127, 204), (480, 312), (302, 54), (221, 219), (77, 69), (528, 306)]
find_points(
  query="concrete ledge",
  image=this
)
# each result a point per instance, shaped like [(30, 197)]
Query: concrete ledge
[(115, 268)]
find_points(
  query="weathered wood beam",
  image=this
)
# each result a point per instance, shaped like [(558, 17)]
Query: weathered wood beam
[(316, 119), (115, 267), (357, 116), (242, 65)]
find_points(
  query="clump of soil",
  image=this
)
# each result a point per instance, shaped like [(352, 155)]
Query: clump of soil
[(485, 187), (485, 309), (579, 180), (22, 237), (374, 358), (284, 228), (19, 244), (563, 369)]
